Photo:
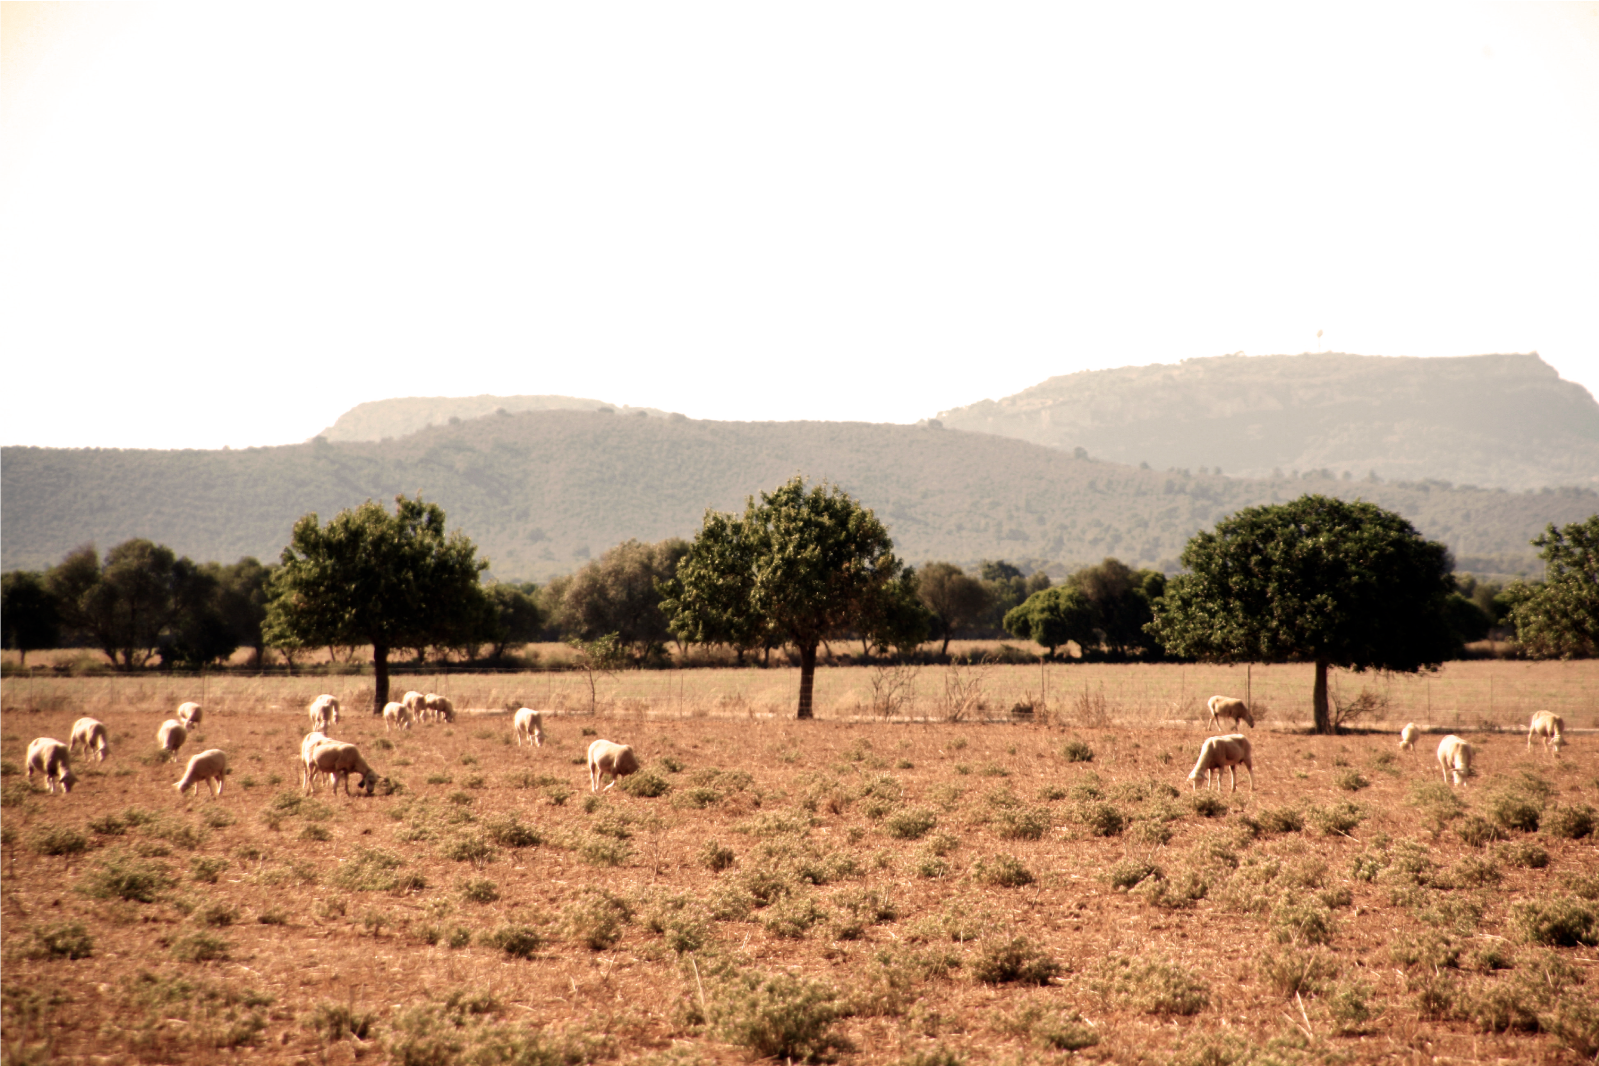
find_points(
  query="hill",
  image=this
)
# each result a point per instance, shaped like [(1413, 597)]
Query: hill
[(1504, 421), (542, 491), (400, 417)]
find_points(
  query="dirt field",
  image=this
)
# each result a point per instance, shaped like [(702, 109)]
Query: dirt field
[(871, 892)]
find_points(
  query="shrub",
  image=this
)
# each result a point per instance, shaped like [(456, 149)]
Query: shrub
[(1101, 819), (63, 940), (511, 833), (1477, 832), (121, 878), (683, 924), (517, 941), (467, 847), (1058, 1030), (595, 919), (315, 832), (1524, 854), (480, 890), (646, 784), (1025, 823), (373, 870), (1294, 972), (58, 840), (1183, 890), (792, 916), (1574, 1021), (206, 870), (1301, 920), (1572, 823), (1016, 960), (200, 947), (1474, 872), (1585, 886), (1339, 819), (910, 823), (1280, 820), (1004, 871), (780, 1016), (715, 857), (597, 850), (335, 1021), (1151, 986), (1512, 810), (1207, 804), (695, 798), (218, 914), (1430, 950), (1351, 780), (1349, 1004), (1128, 873), (1077, 751), (1563, 921)]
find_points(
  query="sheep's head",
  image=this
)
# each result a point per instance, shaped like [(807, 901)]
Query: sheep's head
[(68, 779), (369, 782)]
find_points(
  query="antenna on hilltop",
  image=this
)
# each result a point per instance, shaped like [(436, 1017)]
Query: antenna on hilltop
[(1319, 346)]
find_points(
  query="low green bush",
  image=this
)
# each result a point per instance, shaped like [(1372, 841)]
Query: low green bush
[(778, 1016), (1101, 819), (715, 857), (57, 840), (62, 940), (1572, 823), (910, 823), (1077, 751), (1207, 804), (1562, 921), (1002, 871), (1150, 986), (646, 784), (595, 919), (123, 878), (1128, 873), (200, 947), (1017, 960), (1294, 971), (517, 941)]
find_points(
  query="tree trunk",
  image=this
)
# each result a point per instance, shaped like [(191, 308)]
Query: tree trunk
[(380, 678), (807, 678), (1319, 700), (944, 653)]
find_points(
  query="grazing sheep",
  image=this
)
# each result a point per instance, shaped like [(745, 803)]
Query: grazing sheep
[(1227, 707), (395, 714), (170, 736), (308, 770), (1454, 758), (340, 760), (1408, 737), (416, 703), (53, 759), (1224, 753), (529, 725), (324, 712), (210, 766), (93, 735), (440, 707), (1550, 726), (605, 757)]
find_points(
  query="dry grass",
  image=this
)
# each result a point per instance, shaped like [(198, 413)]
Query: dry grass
[(822, 889)]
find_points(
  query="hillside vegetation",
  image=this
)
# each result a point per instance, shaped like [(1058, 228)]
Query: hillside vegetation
[(540, 492), (1504, 421), (402, 416)]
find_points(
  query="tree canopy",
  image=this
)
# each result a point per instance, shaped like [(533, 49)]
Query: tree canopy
[(124, 605), (1560, 617), (804, 565), (1315, 580), (28, 612), (1053, 617), (369, 577), (953, 598), (619, 593)]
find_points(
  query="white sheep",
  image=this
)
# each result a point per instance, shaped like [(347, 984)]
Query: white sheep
[(395, 714), (1551, 727), (1408, 737), (1227, 707), (170, 735), (606, 757), (210, 766), (308, 770), (440, 707), (1454, 758), (93, 735), (340, 760), (417, 704), (53, 759), (324, 712), (189, 714), (529, 726), (1224, 753)]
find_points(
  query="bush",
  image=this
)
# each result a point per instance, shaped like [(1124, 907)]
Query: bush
[(1563, 921), (1077, 751), (1025, 823), (1183, 890), (910, 823), (1055, 1029), (1128, 873), (57, 840), (715, 857), (467, 847), (1351, 780), (517, 941), (1525, 854), (1101, 819), (207, 871), (598, 850), (121, 878), (646, 784), (1151, 986), (1512, 810), (1572, 823), (792, 916), (373, 870), (1349, 1004), (217, 914), (595, 919), (1207, 804), (200, 947), (1429, 950), (64, 940), (1015, 960), (480, 890), (335, 1021), (1294, 972), (779, 1017), (1301, 920), (1280, 820), (1477, 832), (1339, 819), (1004, 871), (511, 833)]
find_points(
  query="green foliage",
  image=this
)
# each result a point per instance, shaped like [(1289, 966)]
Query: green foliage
[(953, 599), (1053, 617), (200, 947), (1075, 750), (1101, 819), (1150, 986), (1563, 921), (1023, 823), (1128, 873), (646, 784), (778, 1016), (1301, 920), (1002, 871), (1015, 960), (618, 595), (1572, 823), (1351, 780), (1207, 804), (335, 1021), (29, 616), (715, 857), (792, 915), (1560, 617), (517, 941), (1058, 1030), (1294, 971), (1315, 580), (375, 870), (207, 870), (61, 940), (910, 823), (123, 878), (480, 890), (57, 840), (595, 919)]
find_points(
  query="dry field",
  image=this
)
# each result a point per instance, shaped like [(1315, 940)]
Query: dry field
[(874, 892)]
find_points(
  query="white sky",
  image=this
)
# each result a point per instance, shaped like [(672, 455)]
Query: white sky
[(227, 224)]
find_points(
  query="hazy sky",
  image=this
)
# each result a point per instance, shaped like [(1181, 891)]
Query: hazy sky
[(226, 224)]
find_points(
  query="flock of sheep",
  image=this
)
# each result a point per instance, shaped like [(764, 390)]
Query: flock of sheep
[(322, 756), (1454, 754)]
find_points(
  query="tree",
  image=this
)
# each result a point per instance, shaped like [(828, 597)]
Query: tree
[(1007, 589), (895, 617), (199, 632), (1313, 580), (124, 605), (1560, 617), (242, 591), (1053, 617), (620, 593), (953, 598), (518, 618), (369, 577), (28, 613), (1122, 600), (803, 565)]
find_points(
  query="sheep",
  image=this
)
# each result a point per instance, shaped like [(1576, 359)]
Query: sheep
[(416, 703), (308, 770), (1408, 737), (1454, 758), (189, 714), (53, 759), (1550, 726), (341, 760), (324, 712), (210, 766), (1227, 707), (1224, 753), (395, 714), (171, 736), (606, 757), (529, 725), (440, 707), (93, 735)]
